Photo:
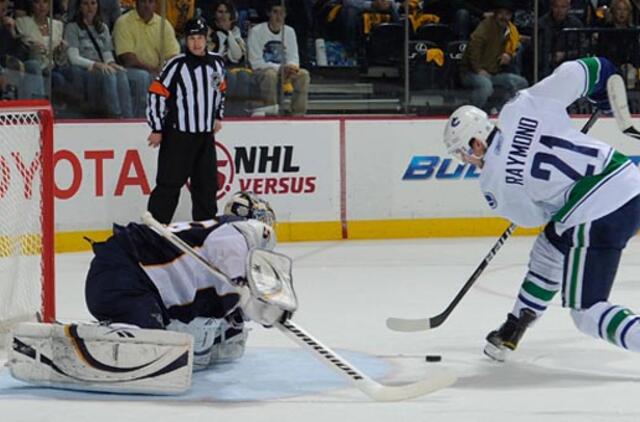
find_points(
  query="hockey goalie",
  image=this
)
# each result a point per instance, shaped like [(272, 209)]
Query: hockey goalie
[(161, 314)]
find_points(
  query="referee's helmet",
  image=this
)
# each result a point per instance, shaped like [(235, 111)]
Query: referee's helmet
[(196, 26)]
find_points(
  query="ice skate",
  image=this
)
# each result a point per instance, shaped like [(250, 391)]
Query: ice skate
[(505, 339)]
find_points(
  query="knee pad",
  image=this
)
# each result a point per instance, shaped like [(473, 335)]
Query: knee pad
[(613, 323), (603, 320), (586, 320), (546, 260), (230, 344), (204, 332), (214, 340)]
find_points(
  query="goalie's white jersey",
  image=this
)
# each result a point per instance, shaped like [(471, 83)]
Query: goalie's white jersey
[(539, 168), (180, 279)]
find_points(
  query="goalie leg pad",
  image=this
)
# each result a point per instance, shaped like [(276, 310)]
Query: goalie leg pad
[(101, 358)]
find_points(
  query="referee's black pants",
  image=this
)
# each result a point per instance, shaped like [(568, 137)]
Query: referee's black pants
[(185, 156)]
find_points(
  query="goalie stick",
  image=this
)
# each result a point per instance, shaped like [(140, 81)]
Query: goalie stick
[(371, 388), (617, 94), (424, 324)]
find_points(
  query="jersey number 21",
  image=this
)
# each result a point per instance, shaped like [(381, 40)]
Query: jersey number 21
[(542, 158)]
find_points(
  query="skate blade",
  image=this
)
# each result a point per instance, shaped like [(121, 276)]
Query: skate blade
[(499, 354)]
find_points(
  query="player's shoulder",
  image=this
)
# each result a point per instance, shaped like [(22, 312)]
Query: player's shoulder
[(510, 110)]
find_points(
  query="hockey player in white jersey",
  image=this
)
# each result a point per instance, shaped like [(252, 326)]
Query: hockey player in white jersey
[(537, 169)]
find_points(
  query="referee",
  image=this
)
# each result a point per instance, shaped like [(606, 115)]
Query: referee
[(184, 108)]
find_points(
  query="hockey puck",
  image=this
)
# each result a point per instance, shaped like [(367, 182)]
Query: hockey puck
[(433, 358)]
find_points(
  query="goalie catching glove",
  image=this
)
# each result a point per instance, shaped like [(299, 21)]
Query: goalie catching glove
[(268, 295)]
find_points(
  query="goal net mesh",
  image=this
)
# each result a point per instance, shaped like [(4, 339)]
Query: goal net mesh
[(21, 217)]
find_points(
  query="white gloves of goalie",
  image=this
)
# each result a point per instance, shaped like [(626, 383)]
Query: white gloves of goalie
[(268, 295)]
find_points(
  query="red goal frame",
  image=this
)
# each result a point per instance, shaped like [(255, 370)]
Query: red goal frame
[(45, 113)]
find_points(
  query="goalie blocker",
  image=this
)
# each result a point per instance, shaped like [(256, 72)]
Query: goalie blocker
[(102, 358)]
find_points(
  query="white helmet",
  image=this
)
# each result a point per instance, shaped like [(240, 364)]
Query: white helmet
[(466, 123), (250, 205)]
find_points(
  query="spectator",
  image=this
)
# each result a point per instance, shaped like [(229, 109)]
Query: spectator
[(142, 48), (556, 47), (109, 11), (35, 30), (597, 12), (621, 47), (243, 8), (90, 54), (24, 79), (485, 60), (273, 49), (227, 41), (178, 13)]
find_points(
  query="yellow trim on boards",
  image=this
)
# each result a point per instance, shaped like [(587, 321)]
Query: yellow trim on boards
[(76, 242), (432, 227), (332, 230)]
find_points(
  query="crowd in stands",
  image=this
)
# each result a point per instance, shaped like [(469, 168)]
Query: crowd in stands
[(98, 57)]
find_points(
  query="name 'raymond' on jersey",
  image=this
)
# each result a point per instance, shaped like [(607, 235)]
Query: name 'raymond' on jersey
[(540, 168)]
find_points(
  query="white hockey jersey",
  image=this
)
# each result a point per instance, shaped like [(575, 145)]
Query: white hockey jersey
[(539, 168)]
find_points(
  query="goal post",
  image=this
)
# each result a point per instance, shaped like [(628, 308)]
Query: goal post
[(26, 212)]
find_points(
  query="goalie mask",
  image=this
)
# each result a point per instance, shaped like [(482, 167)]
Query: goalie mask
[(250, 205)]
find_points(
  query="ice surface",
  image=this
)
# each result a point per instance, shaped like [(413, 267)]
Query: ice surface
[(346, 291)]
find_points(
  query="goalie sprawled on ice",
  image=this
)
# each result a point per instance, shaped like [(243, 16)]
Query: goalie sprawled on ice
[(139, 284)]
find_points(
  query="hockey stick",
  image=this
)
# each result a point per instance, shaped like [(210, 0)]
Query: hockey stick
[(371, 388), (617, 93), (424, 324)]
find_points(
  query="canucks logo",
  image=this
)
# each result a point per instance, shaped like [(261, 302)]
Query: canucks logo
[(455, 122), (491, 200)]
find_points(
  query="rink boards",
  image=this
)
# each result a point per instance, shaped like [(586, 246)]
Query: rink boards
[(327, 178)]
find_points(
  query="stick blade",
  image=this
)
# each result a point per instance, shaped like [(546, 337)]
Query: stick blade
[(632, 132), (617, 94), (408, 325), (379, 392)]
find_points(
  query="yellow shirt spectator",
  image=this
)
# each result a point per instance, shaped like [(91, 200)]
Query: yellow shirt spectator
[(131, 34)]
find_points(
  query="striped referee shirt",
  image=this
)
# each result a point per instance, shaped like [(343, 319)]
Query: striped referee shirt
[(188, 95)]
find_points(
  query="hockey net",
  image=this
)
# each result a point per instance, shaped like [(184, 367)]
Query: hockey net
[(26, 214)]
